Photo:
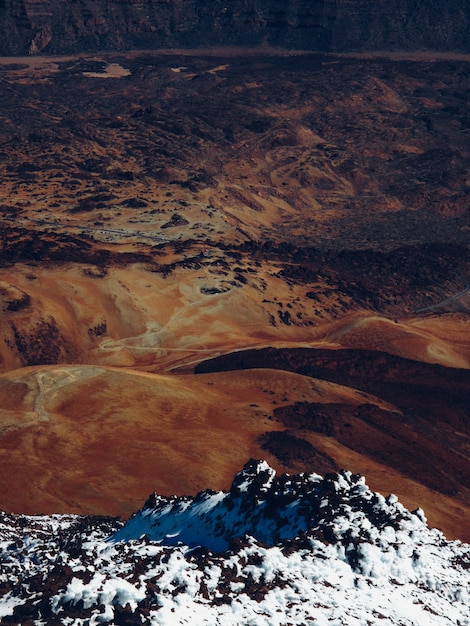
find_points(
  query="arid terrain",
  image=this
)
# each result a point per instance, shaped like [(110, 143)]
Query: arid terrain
[(218, 255)]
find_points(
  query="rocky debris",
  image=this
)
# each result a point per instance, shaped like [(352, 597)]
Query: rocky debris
[(381, 145), (271, 550), (392, 281), (175, 220)]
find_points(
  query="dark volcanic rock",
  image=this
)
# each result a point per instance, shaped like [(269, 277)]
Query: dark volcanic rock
[(31, 27), (294, 451)]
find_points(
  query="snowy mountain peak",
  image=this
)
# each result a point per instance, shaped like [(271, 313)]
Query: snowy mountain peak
[(270, 551), (255, 476), (269, 509)]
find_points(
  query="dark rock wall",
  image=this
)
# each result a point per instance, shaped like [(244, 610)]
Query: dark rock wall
[(401, 24), (65, 26)]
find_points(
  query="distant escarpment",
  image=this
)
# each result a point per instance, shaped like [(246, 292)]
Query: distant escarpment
[(54, 26)]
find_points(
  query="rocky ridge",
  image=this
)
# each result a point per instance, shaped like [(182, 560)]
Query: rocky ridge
[(271, 550)]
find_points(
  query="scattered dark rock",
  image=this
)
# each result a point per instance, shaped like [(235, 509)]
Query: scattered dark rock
[(134, 203), (175, 220)]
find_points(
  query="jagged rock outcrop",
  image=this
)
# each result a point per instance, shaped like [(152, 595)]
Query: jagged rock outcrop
[(33, 26), (302, 549)]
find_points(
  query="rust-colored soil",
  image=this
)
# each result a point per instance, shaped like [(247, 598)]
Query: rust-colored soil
[(303, 218), (83, 438)]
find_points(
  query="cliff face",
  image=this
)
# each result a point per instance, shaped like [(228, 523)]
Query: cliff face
[(58, 26)]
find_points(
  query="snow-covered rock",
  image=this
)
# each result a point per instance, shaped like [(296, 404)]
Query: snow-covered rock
[(273, 550)]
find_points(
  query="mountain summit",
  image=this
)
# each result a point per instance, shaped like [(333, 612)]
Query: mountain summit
[(272, 550)]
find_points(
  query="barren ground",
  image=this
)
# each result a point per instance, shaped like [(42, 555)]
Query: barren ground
[(211, 257)]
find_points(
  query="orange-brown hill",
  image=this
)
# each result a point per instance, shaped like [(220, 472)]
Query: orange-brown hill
[(94, 439)]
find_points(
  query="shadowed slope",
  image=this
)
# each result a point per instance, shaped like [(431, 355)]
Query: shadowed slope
[(426, 439)]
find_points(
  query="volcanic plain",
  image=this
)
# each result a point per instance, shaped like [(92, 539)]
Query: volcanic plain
[(214, 255)]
